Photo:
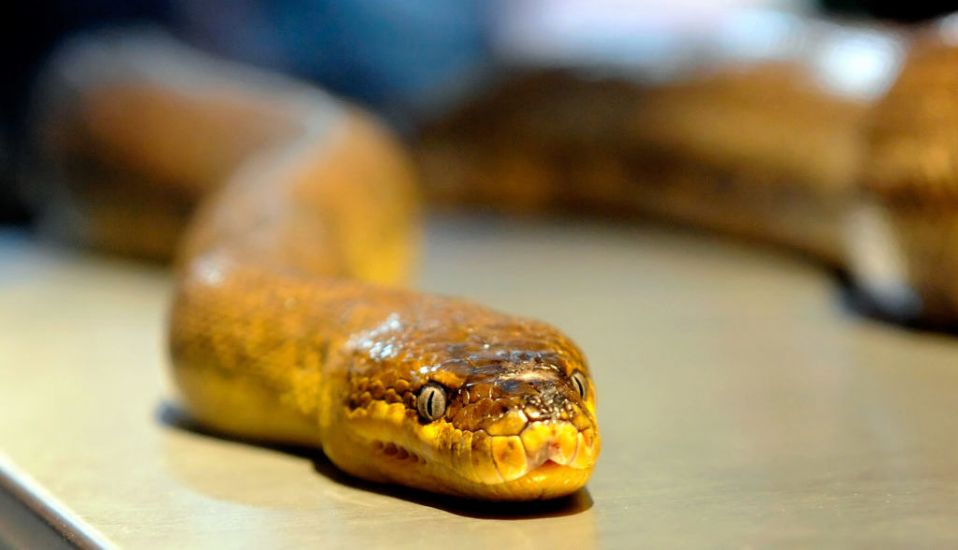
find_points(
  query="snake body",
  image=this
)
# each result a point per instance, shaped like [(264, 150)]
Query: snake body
[(832, 139), (288, 324)]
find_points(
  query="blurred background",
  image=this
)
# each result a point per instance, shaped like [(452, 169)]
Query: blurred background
[(409, 60)]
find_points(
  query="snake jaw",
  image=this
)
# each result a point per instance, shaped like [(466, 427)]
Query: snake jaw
[(544, 441), (541, 447), (539, 459), (550, 459)]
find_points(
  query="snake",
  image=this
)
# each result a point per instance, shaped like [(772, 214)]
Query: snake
[(290, 321), (292, 219)]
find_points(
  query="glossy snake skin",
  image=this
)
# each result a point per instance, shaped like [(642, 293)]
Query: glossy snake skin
[(286, 325)]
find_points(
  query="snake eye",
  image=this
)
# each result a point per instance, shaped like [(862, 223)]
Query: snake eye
[(580, 383), (431, 402)]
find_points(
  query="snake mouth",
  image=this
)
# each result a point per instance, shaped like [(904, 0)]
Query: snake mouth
[(559, 443), (547, 468), (545, 449), (547, 477), (539, 459)]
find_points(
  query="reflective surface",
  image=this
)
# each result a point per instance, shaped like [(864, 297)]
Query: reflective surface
[(740, 405)]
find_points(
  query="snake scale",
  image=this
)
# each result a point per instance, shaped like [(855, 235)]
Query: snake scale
[(293, 217), (288, 324)]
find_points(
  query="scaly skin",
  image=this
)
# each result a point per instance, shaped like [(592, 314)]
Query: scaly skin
[(340, 363), (280, 331), (283, 328)]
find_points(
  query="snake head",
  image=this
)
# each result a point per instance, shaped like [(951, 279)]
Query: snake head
[(470, 402)]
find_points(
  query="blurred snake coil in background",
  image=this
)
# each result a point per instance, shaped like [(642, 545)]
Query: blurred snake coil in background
[(290, 214)]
